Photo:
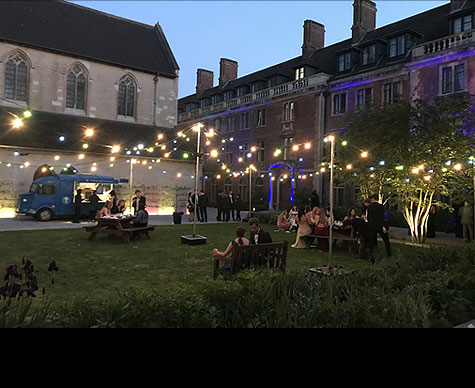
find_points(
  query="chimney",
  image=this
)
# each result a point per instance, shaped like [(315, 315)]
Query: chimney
[(313, 37), (205, 79), (456, 4), (228, 71), (364, 18)]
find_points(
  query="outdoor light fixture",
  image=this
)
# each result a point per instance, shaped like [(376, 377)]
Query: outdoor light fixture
[(115, 149), (364, 154), (62, 138), (17, 123), (214, 153), (89, 132)]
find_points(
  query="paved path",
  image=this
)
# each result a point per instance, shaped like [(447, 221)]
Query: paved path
[(400, 234), (29, 223)]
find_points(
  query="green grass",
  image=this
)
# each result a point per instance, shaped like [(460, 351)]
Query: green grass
[(98, 269)]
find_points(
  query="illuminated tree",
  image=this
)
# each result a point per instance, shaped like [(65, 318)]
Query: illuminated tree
[(407, 153)]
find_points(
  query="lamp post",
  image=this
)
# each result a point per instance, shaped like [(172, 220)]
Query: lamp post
[(251, 168), (332, 161), (195, 239)]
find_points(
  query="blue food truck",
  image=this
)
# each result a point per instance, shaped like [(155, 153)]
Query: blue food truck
[(53, 196)]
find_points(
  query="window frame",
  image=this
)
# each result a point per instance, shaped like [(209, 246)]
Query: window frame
[(17, 59), (337, 104), (82, 72), (261, 118), (131, 81)]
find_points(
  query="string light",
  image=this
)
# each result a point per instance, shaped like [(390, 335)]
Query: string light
[(89, 132)]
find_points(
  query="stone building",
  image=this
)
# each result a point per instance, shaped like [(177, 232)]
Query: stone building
[(75, 68), (267, 117)]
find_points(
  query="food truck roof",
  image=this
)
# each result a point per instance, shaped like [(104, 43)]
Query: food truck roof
[(80, 178)]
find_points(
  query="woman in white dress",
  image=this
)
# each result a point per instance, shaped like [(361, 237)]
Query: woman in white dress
[(304, 221)]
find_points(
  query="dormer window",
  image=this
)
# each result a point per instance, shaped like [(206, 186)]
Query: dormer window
[(229, 95), (462, 24), (397, 46), (369, 55), (205, 102), (344, 62), (259, 85), (217, 98), (299, 73), (242, 91)]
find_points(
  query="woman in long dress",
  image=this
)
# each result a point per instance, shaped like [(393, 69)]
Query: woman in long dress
[(304, 230), (321, 229)]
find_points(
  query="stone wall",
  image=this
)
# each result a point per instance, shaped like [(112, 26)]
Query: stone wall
[(165, 184), (47, 87)]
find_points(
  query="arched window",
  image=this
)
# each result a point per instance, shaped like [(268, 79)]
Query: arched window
[(16, 79), (126, 97), (227, 185), (259, 183), (243, 189), (76, 89), (214, 188)]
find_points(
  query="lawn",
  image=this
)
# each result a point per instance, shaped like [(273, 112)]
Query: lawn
[(100, 268)]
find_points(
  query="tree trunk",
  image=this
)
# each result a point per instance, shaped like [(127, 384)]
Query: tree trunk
[(417, 216)]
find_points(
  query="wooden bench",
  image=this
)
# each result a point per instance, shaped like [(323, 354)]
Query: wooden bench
[(272, 255), (339, 236), (145, 229), (116, 228)]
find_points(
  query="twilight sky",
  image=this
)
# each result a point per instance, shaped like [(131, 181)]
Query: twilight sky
[(257, 34)]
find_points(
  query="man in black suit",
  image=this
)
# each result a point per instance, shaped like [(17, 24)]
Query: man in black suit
[(232, 204), (203, 204), (138, 202), (377, 224), (226, 207), (219, 205), (77, 207), (258, 236)]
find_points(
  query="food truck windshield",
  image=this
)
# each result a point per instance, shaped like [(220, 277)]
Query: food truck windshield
[(103, 189)]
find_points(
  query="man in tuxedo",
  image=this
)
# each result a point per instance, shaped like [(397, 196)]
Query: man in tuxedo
[(232, 204), (377, 224), (138, 202), (258, 235), (203, 204)]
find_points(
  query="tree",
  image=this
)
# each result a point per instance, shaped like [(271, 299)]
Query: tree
[(408, 152)]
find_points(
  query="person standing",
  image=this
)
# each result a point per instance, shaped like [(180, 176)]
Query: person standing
[(219, 205), (226, 207), (113, 200), (314, 200), (203, 204), (232, 204), (138, 202), (77, 206), (376, 225), (93, 205), (466, 219), (238, 207)]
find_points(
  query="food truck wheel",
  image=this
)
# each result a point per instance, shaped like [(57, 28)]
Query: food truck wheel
[(44, 215)]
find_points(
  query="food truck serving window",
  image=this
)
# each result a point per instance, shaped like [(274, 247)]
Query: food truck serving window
[(45, 189)]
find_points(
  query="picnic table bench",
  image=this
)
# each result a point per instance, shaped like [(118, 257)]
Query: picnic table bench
[(117, 228), (273, 255), (340, 236)]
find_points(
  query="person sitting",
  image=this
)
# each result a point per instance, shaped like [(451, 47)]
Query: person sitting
[(293, 213), (304, 222), (105, 211), (282, 222), (239, 240), (351, 214), (121, 207), (140, 221), (321, 229), (258, 235)]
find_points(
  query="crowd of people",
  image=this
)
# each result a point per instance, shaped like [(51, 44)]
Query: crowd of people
[(229, 206), (314, 222), (112, 207)]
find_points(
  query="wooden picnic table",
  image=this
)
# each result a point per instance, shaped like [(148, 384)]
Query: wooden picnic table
[(116, 227)]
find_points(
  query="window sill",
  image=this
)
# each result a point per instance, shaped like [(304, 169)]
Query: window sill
[(126, 118), (76, 112)]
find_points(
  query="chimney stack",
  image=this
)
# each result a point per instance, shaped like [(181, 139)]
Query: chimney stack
[(228, 71), (313, 37), (364, 18), (205, 80), (456, 4)]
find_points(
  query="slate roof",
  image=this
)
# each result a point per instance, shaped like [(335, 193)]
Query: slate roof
[(425, 26), (43, 130), (79, 31)]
